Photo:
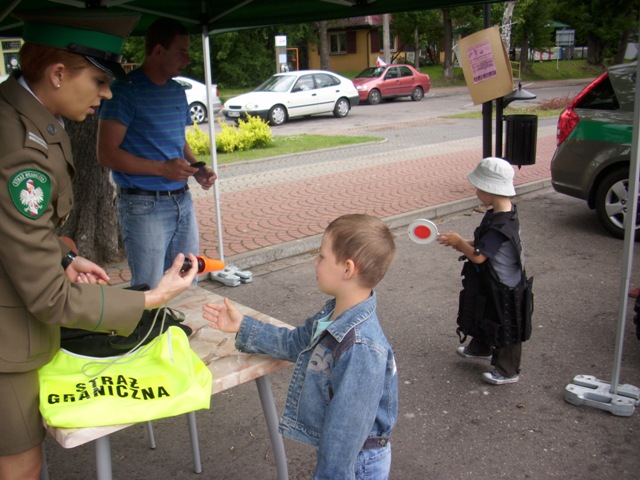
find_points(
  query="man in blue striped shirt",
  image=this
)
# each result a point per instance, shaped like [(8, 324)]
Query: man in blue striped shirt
[(141, 138)]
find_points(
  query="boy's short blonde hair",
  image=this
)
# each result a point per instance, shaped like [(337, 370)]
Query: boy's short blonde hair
[(366, 241)]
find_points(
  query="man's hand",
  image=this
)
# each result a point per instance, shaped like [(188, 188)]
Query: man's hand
[(178, 169), (206, 177)]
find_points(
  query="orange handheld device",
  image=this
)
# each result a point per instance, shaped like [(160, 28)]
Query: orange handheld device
[(205, 265)]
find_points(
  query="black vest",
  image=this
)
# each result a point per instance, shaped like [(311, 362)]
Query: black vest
[(488, 309)]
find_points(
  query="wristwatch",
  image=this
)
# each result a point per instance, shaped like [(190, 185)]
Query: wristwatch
[(68, 258)]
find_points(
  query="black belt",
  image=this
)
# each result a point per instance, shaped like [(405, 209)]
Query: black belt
[(162, 193)]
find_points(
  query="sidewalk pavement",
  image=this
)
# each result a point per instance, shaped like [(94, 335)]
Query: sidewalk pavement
[(277, 207)]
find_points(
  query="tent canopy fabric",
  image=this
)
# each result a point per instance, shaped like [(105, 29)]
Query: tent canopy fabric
[(227, 15)]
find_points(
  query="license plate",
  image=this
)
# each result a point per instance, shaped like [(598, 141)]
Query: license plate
[(233, 114)]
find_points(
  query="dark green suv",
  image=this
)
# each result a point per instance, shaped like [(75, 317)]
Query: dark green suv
[(594, 146)]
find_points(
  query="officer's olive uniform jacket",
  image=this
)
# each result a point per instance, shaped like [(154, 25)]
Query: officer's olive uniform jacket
[(35, 295)]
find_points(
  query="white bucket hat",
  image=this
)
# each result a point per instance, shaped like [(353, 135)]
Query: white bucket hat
[(493, 175)]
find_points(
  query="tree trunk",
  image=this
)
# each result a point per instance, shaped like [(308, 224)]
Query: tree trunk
[(416, 48), (622, 47), (524, 55), (93, 223), (386, 39), (323, 45), (448, 45), (594, 50)]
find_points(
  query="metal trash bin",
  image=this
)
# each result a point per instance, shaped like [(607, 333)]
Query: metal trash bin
[(521, 138)]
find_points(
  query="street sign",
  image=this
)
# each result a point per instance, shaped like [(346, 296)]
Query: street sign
[(565, 38)]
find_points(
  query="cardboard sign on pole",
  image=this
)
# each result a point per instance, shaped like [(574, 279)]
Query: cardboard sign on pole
[(485, 64)]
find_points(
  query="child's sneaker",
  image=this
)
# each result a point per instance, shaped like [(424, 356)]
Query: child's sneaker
[(464, 353), (496, 378)]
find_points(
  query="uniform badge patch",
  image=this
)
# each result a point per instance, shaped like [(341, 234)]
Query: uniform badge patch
[(30, 191)]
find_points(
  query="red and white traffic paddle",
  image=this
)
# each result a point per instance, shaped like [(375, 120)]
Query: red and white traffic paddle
[(423, 231)]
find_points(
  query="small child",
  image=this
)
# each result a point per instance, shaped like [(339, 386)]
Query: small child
[(496, 301), (343, 396)]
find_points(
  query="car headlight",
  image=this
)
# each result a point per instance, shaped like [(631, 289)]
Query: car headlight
[(361, 87), (251, 106)]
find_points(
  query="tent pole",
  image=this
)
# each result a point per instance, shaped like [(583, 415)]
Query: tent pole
[(231, 276), (212, 137), (629, 236)]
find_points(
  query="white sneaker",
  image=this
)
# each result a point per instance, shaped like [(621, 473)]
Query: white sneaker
[(462, 351), (496, 378)]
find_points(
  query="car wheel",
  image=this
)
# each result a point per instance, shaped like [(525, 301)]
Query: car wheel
[(277, 115), (342, 108), (374, 97), (198, 112), (417, 94), (612, 201)]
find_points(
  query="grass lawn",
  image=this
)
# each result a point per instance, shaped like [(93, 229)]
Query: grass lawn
[(283, 145), (533, 110)]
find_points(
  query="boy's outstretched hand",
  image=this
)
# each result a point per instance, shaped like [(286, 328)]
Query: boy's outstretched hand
[(226, 318), (451, 239)]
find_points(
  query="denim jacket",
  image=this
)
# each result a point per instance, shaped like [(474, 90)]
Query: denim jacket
[(334, 404)]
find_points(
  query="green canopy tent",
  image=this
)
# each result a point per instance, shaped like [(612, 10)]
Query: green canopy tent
[(224, 15)]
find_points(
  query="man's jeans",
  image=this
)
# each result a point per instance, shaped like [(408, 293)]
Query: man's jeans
[(155, 229), (374, 464)]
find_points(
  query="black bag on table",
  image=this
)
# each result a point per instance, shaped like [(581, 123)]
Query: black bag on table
[(98, 344)]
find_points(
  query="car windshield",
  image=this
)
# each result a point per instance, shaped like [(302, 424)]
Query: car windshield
[(277, 83), (371, 72)]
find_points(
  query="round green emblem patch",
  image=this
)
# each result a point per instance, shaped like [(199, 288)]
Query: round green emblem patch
[(30, 191)]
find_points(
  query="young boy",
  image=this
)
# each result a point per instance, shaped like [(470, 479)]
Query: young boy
[(343, 397), (495, 303)]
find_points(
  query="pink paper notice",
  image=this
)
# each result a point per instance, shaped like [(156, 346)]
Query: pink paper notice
[(481, 61)]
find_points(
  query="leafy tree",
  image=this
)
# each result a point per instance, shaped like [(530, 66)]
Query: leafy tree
[(133, 50), (603, 25), (423, 29), (530, 31), (242, 59), (408, 27), (247, 57), (467, 19)]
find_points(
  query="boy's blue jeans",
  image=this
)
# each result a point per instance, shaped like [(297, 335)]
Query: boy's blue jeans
[(155, 229), (374, 464)]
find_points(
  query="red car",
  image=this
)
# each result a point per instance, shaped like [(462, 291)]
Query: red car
[(391, 81)]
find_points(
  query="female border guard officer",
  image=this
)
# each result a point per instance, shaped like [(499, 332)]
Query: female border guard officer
[(67, 63)]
